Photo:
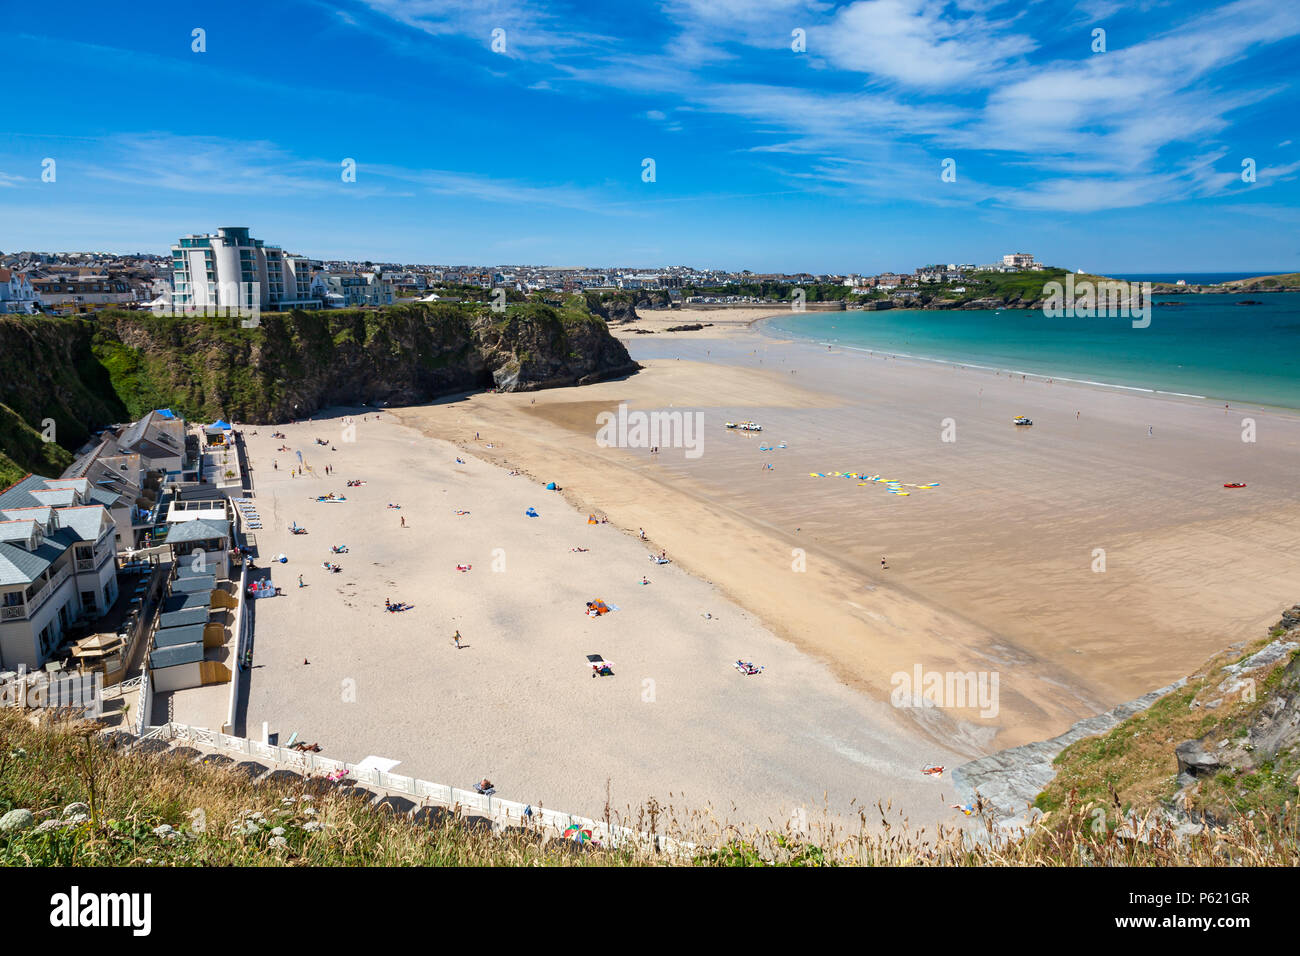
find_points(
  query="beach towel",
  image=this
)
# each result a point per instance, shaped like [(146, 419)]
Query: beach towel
[(532, 513)]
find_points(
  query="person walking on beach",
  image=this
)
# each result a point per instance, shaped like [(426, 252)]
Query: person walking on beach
[(275, 464), (1151, 431), (300, 584), (455, 639), (883, 565), (403, 521)]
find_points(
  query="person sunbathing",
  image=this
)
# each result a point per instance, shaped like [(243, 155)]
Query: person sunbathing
[(580, 550)]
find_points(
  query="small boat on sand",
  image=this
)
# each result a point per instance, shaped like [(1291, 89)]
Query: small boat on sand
[(1235, 484), (1022, 420), (745, 426)]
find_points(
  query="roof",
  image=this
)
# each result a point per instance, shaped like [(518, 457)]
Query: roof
[(19, 527), (19, 566), (207, 582), (86, 520), (184, 600), (171, 636), (18, 495), (183, 617), (178, 654), (200, 529)]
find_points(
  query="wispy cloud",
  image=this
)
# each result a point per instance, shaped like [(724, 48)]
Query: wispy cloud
[(890, 82)]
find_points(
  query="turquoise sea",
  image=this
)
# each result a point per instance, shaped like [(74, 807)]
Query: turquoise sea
[(1203, 345)]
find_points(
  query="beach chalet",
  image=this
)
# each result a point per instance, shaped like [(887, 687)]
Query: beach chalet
[(178, 656), (202, 543), (57, 547), (217, 434)]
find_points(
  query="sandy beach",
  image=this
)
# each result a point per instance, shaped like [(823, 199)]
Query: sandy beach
[(677, 723), (1077, 564), (996, 570)]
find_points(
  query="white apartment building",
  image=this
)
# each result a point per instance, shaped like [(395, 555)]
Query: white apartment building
[(16, 292), (341, 289), (230, 269), (56, 564), (1018, 260)]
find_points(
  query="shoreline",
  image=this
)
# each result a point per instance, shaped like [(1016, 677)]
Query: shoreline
[(544, 432), (759, 324)]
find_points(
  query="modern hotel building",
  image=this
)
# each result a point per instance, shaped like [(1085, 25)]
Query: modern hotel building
[(230, 269)]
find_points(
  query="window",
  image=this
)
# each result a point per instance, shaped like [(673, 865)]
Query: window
[(88, 601)]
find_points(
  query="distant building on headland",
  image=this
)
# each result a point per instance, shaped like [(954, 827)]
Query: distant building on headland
[(1019, 260)]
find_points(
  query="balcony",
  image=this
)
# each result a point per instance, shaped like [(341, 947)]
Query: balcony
[(18, 612)]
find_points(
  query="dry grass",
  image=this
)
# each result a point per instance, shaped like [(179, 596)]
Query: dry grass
[(218, 817)]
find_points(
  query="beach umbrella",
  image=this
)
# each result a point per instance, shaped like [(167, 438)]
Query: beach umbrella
[(577, 834)]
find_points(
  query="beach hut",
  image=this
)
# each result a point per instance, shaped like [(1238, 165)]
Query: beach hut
[(196, 585), (172, 636), (186, 600), (184, 616), (217, 434), (177, 660)]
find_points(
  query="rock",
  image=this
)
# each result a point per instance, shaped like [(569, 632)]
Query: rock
[(76, 809), (16, 820), (1195, 760)]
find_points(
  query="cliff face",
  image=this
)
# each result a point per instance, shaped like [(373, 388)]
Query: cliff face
[(87, 372), (296, 363), (48, 371)]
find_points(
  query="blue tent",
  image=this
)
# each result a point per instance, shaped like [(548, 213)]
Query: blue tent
[(220, 423)]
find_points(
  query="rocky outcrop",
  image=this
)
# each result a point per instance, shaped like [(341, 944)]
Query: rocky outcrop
[(1256, 740), (87, 372), (1007, 782)]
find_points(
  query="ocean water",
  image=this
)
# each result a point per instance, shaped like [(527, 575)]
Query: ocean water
[(1205, 346)]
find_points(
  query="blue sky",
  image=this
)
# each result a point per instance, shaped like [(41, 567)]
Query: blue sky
[(767, 158)]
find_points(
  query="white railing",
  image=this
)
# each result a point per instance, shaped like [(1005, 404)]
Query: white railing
[(121, 687), (144, 706), (243, 633), (503, 812)]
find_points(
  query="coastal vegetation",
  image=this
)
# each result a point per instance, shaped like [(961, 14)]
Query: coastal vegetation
[(1282, 282), (74, 796), (78, 373), (1214, 750)]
